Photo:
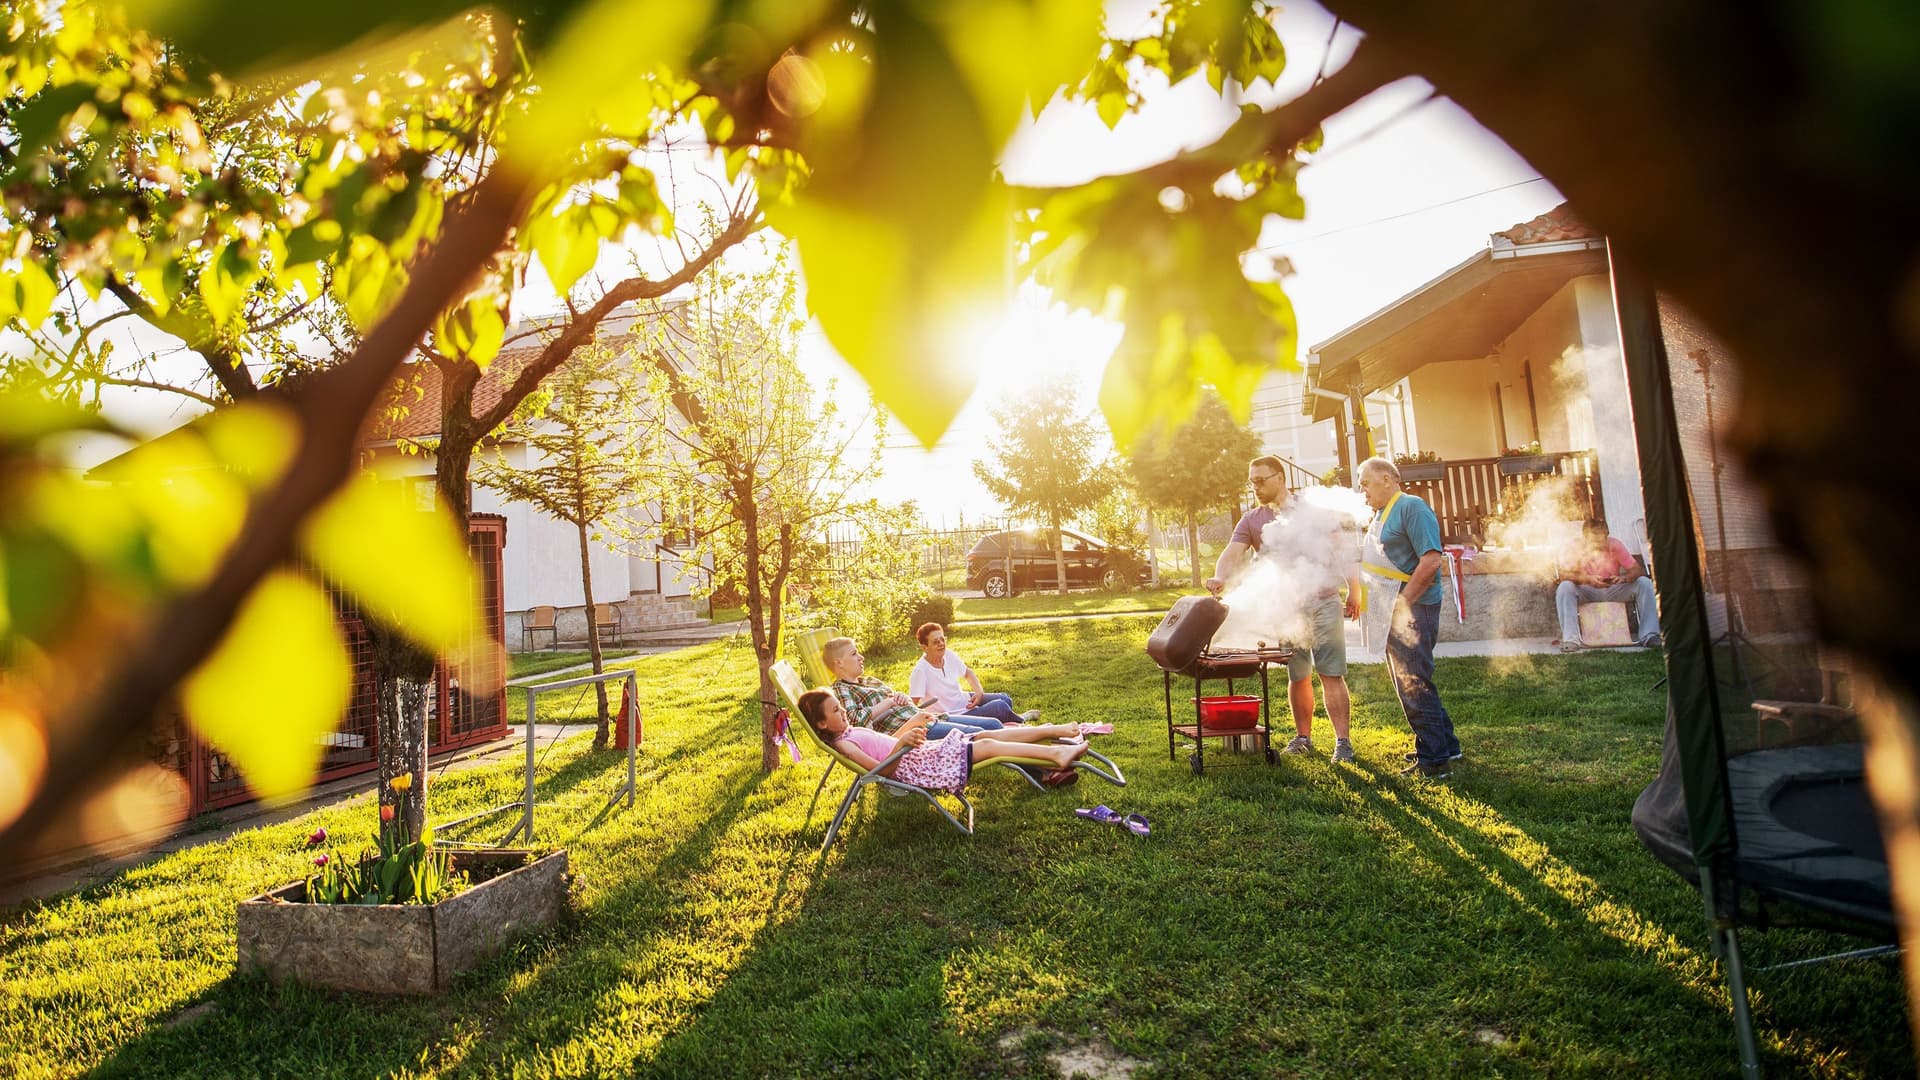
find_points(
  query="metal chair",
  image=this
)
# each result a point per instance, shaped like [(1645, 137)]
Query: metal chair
[(608, 618), (534, 621)]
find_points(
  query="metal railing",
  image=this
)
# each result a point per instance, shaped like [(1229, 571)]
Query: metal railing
[(525, 803)]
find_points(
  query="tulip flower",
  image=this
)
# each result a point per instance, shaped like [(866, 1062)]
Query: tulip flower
[(401, 782), (319, 837), (386, 813), (320, 859)]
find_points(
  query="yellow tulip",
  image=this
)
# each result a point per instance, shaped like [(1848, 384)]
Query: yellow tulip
[(401, 782)]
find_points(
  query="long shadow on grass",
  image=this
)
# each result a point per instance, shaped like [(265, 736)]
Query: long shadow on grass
[(1586, 931), (542, 992)]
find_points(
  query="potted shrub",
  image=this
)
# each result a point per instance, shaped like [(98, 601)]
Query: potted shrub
[(1424, 465), (1522, 460), (405, 918)]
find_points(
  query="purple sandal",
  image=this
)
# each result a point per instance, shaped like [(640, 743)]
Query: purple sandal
[(1101, 814), (1136, 824)]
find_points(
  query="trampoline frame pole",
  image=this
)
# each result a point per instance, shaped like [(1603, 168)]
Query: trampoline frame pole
[(1742, 1011), (1726, 948)]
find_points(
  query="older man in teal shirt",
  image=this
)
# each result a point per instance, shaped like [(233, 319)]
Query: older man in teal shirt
[(1403, 545)]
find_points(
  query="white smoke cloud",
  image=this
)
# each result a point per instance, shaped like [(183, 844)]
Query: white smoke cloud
[(1305, 552)]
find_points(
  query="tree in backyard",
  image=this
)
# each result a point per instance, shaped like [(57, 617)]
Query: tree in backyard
[(1195, 470), (872, 136), (1046, 461), (745, 452), (580, 460)]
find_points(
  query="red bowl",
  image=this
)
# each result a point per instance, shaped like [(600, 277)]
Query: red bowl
[(1235, 712)]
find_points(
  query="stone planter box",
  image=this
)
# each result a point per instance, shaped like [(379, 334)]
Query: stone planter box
[(1425, 470), (403, 948), (1523, 464)]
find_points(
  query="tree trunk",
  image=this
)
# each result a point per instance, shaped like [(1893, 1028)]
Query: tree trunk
[(600, 728), (1059, 560), (757, 624), (401, 732), (1193, 549)]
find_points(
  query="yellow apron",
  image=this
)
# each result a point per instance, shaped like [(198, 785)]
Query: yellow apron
[(1374, 563)]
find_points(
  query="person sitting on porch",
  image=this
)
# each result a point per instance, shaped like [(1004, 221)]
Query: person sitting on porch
[(1598, 568), (936, 682), (943, 764)]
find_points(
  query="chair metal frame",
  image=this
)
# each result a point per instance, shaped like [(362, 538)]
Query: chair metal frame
[(788, 682), (528, 628)]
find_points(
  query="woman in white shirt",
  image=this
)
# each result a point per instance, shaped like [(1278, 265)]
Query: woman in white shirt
[(943, 681)]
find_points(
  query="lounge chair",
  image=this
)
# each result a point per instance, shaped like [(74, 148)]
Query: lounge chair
[(810, 644), (791, 688)]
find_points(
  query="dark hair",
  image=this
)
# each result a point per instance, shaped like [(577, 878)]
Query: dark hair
[(1594, 524), (813, 709), (925, 631), (1269, 461)]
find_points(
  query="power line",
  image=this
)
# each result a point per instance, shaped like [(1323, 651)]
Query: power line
[(1403, 214)]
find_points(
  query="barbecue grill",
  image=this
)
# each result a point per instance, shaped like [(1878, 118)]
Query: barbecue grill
[(1228, 665)]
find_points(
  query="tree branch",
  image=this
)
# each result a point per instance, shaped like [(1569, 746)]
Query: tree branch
[(329, 414), (581, 328)]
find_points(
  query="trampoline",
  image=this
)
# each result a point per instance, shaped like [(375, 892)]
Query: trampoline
[(1806, 838), (1761, 801)]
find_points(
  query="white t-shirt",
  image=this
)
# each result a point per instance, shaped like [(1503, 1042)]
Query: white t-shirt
[(942, 683)]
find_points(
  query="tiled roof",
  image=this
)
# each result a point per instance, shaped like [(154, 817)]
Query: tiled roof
[(409, 408), (1559, 223)]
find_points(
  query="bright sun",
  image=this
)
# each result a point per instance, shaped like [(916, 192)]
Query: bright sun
[(1034, 341)]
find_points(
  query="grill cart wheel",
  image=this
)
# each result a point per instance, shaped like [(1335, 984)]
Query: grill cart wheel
[(1273, 756), (996, 586)]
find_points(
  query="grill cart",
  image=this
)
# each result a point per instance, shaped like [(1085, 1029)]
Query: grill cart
[(1182, 645)]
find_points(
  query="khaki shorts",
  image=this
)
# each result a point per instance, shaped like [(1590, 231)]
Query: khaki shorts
[(1327, 654)]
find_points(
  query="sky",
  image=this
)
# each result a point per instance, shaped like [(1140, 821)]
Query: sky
[(1406, 186)]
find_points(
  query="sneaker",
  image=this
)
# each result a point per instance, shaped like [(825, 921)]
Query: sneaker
[(1422, 771), (1342, 752), (1299, 745), (1652, 641), (1031, 716), (1571, 647), (1410, 757)]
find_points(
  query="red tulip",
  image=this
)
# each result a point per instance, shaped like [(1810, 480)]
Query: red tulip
[(319, 837), (320, 859), (386, 813)]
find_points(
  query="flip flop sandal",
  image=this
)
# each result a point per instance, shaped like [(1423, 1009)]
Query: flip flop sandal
[(1096, 729), (1101, 814), (1136, 824)]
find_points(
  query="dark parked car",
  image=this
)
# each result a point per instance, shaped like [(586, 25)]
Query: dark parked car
[(1004, 563)]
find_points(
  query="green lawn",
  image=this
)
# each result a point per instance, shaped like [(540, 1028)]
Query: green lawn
[(1298, 920), (534, 663), (1033, 605)]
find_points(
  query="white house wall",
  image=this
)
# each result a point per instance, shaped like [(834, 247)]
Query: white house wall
[(1538, 345), (1613, 437), (1453, 408), (541, 562)]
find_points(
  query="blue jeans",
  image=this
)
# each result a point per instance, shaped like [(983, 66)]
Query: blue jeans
[(995, 707), (962, 722), (1410, 663)]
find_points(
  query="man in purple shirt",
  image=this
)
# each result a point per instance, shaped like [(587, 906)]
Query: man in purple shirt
[(1326, 649)]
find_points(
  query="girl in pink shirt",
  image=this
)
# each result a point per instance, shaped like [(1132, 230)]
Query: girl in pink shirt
[(943, 765)]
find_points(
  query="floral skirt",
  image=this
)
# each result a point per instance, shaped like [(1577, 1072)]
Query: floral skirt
[(943, 765)]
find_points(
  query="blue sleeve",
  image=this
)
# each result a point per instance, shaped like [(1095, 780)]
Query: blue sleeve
[(1423, 530)]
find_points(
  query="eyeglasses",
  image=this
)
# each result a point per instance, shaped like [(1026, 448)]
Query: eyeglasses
[(1261, 479)]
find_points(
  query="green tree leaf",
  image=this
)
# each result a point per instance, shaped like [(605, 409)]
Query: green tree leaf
[(407, 565), (278, 681)]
